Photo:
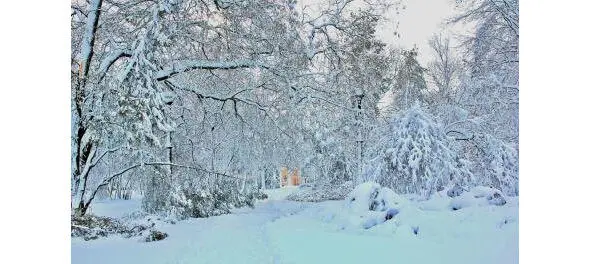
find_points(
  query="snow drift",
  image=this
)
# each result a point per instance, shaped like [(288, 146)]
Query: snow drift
[(370, 204)]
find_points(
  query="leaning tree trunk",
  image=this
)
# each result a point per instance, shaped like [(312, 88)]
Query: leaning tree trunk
[(84, 152)]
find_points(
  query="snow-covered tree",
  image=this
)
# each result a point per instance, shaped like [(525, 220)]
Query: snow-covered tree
[(167, 94), (410, 86), (443, 70), (361, 74), (480, 108), (490, 86), (414, 156), (499, 165)]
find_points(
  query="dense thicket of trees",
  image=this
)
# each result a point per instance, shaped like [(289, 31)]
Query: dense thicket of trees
[(195, 105), (488, 92)]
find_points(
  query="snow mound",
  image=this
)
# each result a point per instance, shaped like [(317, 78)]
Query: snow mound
[(478, 196), (370, 196), (370, 204)]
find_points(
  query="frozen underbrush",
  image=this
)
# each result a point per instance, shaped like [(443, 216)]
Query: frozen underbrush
[(321, 192)]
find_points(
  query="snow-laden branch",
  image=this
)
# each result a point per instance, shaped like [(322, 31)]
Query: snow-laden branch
[(329, 17), (328, 101), (511, 21), (103, 155), (110, 60), (180, 67), (232, 98), (153, 163), (235, 99), (463, 134), (447, 127)]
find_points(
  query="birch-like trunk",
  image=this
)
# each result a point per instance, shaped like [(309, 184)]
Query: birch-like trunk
[(82, 160), (359, 140)]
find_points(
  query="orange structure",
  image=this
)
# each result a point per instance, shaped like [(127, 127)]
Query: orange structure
[(283, 176), (287, 179)]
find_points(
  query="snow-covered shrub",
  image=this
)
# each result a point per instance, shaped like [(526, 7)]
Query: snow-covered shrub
[(216, 201), (155, 235), (204, 203), (370, 204), (91, 227), (480, 196), (492, 195), (414, 156), (370, 196), (455, 190), (499, 165), (178, 204), (190, 200)]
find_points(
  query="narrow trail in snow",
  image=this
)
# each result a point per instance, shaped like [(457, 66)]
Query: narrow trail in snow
[(272, 211), (240, 237)]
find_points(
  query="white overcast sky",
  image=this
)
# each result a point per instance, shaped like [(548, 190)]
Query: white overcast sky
[(418, 21)]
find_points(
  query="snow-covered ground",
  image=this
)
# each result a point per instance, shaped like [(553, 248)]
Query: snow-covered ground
[(280, 231)]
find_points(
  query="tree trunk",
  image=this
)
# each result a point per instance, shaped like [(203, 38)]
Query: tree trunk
[(85, 58), (359, 140), (169, 150), (87, 50)]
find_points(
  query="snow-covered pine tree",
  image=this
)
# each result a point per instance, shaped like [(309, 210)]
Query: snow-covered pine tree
[(410, 86), (414, 156)]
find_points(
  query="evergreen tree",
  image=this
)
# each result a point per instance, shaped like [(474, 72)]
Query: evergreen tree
[(410, 86)]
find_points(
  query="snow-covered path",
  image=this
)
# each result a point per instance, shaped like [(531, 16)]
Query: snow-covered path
[(241, 237), (279, 231)]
